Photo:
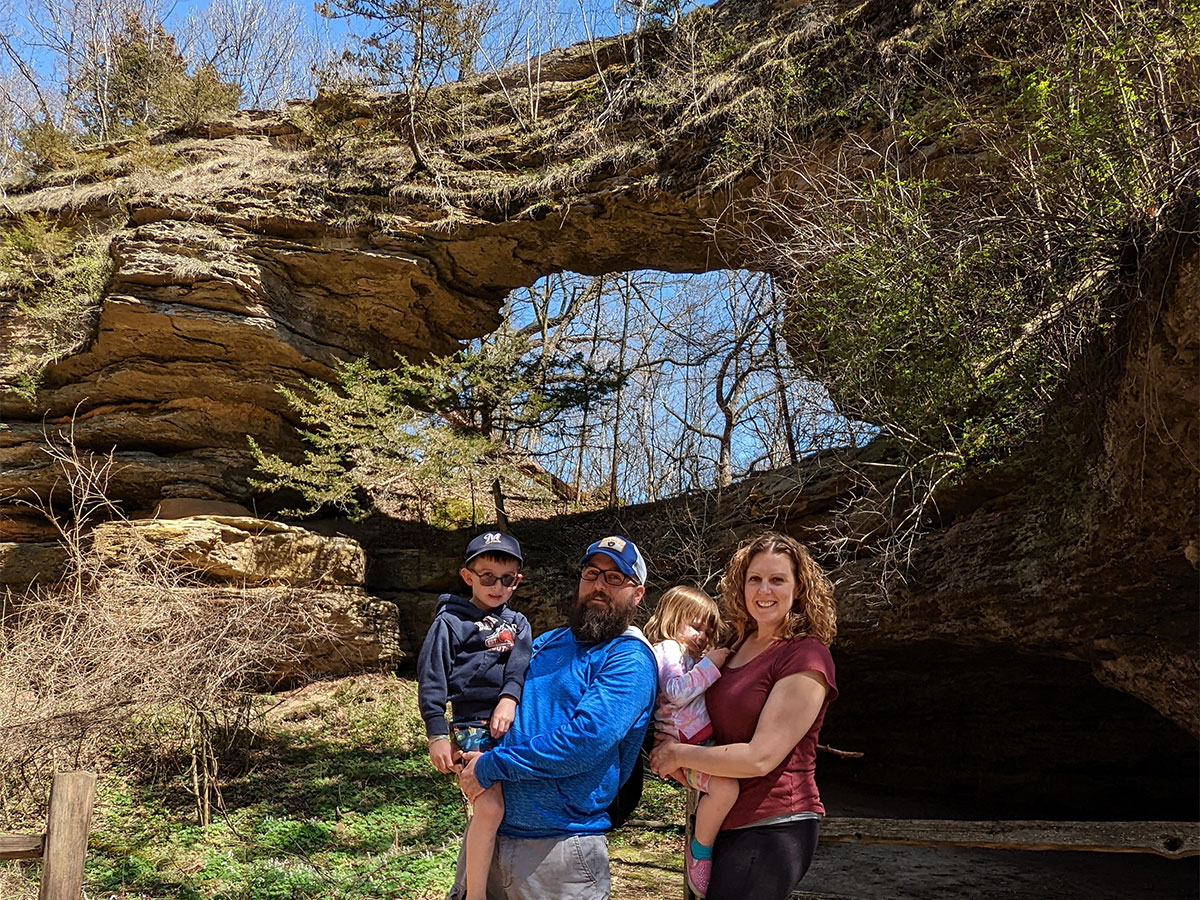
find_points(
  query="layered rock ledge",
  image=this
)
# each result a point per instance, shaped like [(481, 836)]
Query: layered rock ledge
[(265, 249)]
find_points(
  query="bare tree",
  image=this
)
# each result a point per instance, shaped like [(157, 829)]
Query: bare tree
[(265, 48), (73, 37), (709, 390), (133, 641), (14, 117), (413, 45)]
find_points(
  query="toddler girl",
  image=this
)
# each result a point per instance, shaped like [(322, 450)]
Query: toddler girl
[(684, 622)]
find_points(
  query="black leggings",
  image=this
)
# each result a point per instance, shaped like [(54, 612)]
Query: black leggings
[(764, 863)]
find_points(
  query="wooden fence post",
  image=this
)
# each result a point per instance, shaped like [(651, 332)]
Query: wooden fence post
[(67, 825)]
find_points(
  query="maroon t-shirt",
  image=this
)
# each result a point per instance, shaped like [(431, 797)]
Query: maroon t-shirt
[(734, 703)]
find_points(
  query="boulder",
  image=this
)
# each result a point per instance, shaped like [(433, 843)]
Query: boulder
[(185, 507), (239, 549), (25, 564), (359, 633)]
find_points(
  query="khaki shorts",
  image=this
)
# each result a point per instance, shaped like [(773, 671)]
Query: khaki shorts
[(566, 868)]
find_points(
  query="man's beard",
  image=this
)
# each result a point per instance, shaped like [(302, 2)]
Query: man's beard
[(597, 624)]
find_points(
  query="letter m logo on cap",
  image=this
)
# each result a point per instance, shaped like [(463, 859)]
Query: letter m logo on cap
[(612, 543), (492, 537)]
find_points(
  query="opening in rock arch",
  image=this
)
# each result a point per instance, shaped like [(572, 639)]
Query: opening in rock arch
[(701, 388)]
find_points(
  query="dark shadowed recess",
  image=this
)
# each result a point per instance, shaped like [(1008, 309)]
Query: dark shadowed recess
[(1002, 735)]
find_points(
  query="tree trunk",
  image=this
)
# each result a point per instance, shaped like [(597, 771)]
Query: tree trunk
[(616, 431), (498, 499)]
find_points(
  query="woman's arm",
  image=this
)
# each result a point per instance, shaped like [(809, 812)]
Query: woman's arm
[(789, 712)]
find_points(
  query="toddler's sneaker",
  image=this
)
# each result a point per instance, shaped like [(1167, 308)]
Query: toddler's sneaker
[(699, 871)]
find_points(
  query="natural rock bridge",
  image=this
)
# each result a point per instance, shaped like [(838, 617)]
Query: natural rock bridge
[(264, 249)]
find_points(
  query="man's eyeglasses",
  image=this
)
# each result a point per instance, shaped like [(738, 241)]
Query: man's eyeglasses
[(612, 577), (487, 579)]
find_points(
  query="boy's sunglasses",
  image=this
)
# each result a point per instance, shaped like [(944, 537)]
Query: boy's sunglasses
[(487, 579)]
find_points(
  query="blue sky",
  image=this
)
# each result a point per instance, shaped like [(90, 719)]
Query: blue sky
[(526, 26)]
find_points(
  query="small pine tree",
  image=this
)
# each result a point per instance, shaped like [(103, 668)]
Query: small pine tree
[(138, 79), (45, 147), (428, 437), (118, 92), (192, 100)]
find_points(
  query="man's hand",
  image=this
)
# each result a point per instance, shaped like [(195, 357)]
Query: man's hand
[(502, 717), (718, 655), (466, 777), (442, 755)]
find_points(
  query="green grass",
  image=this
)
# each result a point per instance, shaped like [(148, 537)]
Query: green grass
[(335, 799)]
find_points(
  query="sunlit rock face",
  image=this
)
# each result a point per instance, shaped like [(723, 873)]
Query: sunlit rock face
[(242, 268), (260, 254), (241, 557), (238, 550)]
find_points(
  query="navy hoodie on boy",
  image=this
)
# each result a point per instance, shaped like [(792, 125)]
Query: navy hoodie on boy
[(471, 658)]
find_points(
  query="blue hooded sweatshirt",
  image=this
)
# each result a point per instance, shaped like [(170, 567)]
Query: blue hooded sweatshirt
[(471, 658), (576, 736)]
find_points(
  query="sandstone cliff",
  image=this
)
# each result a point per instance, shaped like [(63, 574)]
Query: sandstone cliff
[(249, 259), (261, 250)]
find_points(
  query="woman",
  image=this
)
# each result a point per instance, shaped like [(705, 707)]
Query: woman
[(766, 710)]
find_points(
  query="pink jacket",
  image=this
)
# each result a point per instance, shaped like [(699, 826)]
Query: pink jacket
[(681, 685)]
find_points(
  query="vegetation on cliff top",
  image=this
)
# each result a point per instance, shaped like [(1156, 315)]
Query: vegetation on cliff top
[(950, 266), (952, 199)]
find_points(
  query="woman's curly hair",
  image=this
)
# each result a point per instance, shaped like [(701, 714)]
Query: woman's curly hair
[(814, 614)]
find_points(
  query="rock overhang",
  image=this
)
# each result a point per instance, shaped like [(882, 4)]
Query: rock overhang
[(254, 263)]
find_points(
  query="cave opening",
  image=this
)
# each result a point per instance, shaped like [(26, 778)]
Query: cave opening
[(990, 732)]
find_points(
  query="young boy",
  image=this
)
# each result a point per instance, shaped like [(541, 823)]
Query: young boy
[(474, 656)]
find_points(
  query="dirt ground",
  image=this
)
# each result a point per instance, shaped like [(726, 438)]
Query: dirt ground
[(843, 872), (900, 873), (648, 866)]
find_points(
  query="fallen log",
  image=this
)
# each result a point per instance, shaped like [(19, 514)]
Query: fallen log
[(20, 846), (1174, 840)]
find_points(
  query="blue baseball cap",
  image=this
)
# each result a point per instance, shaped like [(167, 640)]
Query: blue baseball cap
[(493, 542), (623, 552)]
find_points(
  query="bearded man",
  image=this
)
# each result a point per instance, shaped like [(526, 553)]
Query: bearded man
[(589, 693)]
